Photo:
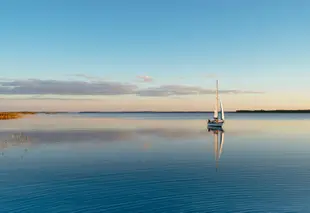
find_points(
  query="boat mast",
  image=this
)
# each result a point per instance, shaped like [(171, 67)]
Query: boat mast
[(217, 95)]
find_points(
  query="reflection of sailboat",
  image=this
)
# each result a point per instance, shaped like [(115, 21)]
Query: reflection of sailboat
[(218, 135), (218, 119)]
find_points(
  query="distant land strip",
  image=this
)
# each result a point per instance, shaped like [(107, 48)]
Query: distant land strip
[(237, 111), (150, 112), (274, 111), (16, 115)]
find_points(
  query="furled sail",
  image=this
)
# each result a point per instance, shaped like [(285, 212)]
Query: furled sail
[(216, 112)]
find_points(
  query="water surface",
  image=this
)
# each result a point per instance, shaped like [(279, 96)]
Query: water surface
[(155, 163)]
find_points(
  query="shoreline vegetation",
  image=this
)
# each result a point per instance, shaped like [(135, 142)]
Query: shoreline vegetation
[(16, 115)]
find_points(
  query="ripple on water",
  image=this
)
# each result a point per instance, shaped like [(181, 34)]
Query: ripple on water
[(190, 186), (170, 179)]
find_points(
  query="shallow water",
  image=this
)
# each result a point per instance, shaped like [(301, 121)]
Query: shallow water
[(121, 163)]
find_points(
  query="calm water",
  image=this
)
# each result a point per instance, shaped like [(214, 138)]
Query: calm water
[(155, 163)]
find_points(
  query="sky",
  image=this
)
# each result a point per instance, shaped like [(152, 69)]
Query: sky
[(80, 55)]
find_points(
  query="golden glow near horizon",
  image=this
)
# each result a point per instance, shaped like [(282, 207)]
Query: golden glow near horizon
[(179, 103)]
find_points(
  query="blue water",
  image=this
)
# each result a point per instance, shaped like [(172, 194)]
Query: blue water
[(155, 167)]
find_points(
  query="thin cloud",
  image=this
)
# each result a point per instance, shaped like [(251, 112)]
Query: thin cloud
[(176, 90), (88, 77), (145, 78), (210, 75), (39, 88), (56, 87)]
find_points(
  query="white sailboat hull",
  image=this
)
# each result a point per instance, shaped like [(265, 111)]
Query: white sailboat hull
[(215, 124)]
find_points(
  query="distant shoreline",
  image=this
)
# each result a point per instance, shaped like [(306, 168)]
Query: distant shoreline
[(274, 111), (237, 111), (19, 114)]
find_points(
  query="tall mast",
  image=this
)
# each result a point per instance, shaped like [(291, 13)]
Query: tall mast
[(217, 95), (216, 107)]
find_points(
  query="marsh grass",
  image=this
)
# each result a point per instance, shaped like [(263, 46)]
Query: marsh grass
[(13, 115)]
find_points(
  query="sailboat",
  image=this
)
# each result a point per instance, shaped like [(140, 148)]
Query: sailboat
[(219, 117)]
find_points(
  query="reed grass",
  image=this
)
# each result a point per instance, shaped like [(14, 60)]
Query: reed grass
[(13, 115)]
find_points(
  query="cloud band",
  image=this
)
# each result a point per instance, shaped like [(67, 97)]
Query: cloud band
[(58, 87)]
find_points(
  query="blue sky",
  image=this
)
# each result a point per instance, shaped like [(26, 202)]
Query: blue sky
[(249, 45)]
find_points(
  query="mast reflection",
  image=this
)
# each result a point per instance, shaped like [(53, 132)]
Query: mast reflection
[(218, 136)]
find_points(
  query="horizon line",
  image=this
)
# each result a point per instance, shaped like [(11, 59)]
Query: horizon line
[(151, 111)]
